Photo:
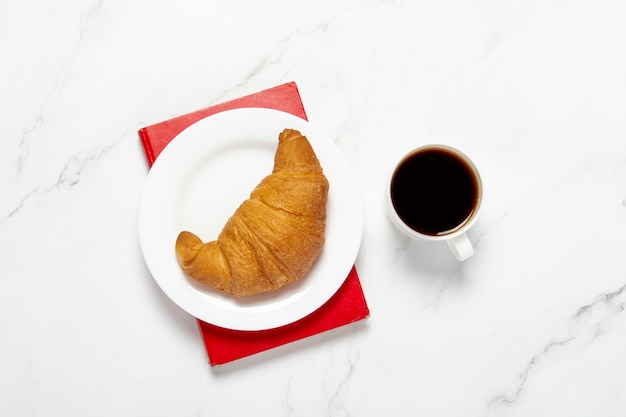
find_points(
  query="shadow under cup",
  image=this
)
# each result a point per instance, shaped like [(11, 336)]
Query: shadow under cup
[(435, 193)]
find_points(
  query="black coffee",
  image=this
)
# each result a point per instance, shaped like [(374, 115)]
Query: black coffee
[(434, 191)]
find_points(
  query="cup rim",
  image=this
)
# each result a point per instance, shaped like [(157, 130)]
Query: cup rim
[(464, 227)]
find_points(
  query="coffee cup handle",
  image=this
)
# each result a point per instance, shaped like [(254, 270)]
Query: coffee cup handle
[(461, 247)]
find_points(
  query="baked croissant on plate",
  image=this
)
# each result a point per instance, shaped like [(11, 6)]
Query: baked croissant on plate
[(275, 236)]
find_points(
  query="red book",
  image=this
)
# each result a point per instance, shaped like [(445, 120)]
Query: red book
[(347, 306)]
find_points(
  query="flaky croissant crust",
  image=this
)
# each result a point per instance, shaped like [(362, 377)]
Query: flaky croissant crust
[(275, 236)]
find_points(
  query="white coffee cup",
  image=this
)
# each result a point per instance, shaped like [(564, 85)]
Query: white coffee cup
[(435, 194)]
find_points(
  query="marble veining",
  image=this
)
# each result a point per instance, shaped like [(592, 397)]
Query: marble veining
[(533, 91), (588, 323)]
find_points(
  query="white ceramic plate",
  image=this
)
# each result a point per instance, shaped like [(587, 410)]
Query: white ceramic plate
[(197, 183)]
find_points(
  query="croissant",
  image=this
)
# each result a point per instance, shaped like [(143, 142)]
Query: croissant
[(275, 236)]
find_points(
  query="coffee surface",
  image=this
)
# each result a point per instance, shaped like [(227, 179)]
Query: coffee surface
[(434, 191)]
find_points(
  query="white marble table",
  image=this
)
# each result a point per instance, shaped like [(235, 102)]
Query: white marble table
[(533, 91)]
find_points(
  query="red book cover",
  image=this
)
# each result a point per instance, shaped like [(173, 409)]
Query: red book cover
[(348, 305)]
